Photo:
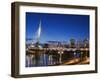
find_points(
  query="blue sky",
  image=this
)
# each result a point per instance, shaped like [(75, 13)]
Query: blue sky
[(59, 27)]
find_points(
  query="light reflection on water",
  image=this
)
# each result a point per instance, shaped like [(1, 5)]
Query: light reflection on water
[(42, 61), (46, 59)]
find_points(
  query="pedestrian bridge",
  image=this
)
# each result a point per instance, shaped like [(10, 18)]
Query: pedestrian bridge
[(34, 50)]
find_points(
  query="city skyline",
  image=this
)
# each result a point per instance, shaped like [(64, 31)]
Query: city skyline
[(57, 27)]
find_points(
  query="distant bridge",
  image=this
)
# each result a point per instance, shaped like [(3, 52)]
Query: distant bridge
[(34, 50)]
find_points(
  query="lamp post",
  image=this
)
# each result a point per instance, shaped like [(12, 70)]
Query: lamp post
[(60, 58), (81, 56), (74, 55)]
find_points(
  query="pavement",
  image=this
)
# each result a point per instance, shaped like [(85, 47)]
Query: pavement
[(75, 61)]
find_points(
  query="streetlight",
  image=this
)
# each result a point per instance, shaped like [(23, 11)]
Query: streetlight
[(74, 55), (81, 56), (60, 58)]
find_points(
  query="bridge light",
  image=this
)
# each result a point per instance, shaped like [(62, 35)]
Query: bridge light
[(58, 52), (62, 52)]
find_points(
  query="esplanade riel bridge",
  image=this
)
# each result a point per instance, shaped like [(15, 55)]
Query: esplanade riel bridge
[(53, 54)]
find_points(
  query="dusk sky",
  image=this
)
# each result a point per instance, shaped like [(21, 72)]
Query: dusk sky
[(57, 27)]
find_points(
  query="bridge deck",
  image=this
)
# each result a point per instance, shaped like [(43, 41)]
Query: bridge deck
[(33, 50)]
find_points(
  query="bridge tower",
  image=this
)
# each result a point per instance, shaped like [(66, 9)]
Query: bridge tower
[(38, 35)]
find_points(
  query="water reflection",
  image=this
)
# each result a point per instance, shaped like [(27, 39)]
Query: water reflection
[(56, 58)]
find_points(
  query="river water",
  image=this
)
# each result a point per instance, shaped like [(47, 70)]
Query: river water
[(49, 60)]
